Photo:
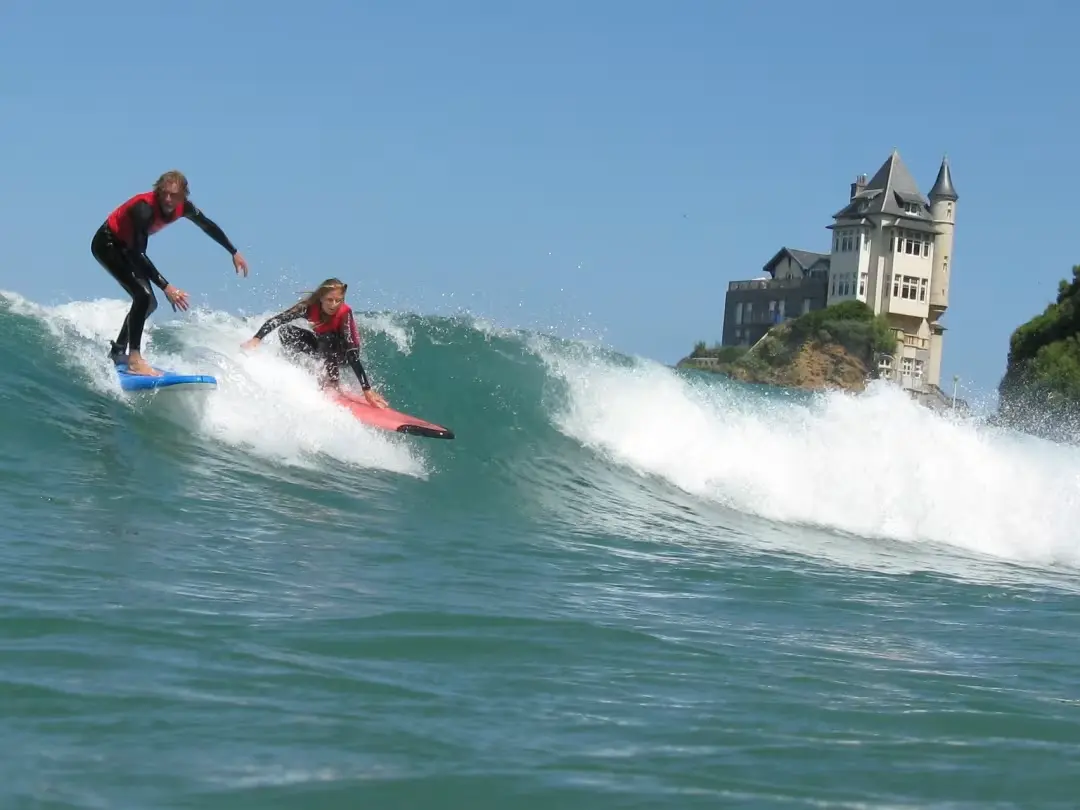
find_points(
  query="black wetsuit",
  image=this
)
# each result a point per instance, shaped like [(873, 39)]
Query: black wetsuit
[(334, 348), (133, 270)]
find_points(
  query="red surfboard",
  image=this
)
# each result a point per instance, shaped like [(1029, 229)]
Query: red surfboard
[(389, 419)]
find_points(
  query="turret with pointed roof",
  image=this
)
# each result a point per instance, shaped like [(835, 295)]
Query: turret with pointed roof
[(943, 187), (943, 199)]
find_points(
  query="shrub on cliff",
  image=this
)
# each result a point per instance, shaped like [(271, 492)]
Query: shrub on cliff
[(851, 324), (1040, 391), (725, 354)]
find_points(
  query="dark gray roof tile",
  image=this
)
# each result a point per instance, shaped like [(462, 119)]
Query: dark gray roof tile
[(890, 187)]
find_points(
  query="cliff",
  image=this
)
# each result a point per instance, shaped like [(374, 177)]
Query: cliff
[(833, 347), (1040, 391)]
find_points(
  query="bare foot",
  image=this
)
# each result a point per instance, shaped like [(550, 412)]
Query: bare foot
[(136, 365)]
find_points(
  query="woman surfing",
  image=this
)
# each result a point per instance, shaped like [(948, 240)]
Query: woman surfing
[(335, 339)]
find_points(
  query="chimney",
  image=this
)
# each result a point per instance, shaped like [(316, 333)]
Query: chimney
[(857, 186)]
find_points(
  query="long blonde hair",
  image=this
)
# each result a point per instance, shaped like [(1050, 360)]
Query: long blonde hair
[(316, 297)]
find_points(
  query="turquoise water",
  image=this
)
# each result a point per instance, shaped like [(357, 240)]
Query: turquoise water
[(618, 587)]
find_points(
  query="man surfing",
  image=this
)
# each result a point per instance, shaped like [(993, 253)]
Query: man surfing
[(120, 244)]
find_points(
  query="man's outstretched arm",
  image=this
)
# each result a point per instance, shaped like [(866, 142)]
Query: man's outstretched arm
[(208, 226)]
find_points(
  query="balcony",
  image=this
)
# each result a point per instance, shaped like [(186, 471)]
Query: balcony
[(764, 316), (775, 284), (911, 340)]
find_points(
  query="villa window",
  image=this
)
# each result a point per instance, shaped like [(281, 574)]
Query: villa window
[(848, 240), (910, 288), (912, 243)]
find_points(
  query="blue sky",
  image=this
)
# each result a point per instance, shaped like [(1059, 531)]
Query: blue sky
[(599, 168)]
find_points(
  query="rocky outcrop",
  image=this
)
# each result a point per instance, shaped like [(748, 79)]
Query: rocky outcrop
[(814, 366), (831, 348)]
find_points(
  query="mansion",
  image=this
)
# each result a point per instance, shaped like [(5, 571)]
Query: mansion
[(891, 249)]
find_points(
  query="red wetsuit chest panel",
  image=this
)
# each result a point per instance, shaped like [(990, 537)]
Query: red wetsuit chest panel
[(333, 324), (120, 223)]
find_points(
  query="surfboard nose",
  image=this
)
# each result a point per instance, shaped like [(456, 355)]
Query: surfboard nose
[(428, 432)]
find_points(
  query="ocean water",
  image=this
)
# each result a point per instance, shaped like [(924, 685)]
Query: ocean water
[(620, 586)]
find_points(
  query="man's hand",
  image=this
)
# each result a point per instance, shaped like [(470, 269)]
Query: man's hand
[(178, 298), (240, 263)]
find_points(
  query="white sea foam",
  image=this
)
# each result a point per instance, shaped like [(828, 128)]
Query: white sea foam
[(264, 403), (876, 465)]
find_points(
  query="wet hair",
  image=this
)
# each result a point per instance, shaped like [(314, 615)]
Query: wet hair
[(173, 176), (316, 297)]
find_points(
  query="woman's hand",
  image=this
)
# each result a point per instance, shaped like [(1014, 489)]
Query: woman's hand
[(375, 398), (250, 344)]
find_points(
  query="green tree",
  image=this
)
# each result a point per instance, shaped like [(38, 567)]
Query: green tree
[(1040, 390)]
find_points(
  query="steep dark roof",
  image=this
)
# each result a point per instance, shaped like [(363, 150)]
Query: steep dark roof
[(943, 187), (888, 190), (804, 258)]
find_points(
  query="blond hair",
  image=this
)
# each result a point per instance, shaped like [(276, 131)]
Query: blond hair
[(173, 176), (316, 297)]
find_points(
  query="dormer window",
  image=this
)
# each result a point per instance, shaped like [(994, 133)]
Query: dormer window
[(911, 208)]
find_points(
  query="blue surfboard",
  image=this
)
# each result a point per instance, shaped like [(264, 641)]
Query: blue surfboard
[(169, 380)]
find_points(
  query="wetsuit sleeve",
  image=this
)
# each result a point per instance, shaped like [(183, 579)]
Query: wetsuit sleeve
[(142, 217), (208, 226), (351, 336), (291, 314)]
